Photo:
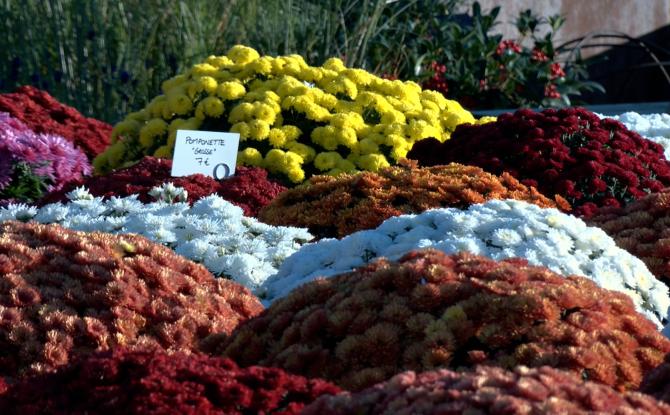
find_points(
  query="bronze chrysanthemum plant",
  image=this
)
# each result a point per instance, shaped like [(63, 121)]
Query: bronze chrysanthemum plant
[(154, 382), (641, 228), (338, 206), (64, 293), (431, 310), (488, 390)]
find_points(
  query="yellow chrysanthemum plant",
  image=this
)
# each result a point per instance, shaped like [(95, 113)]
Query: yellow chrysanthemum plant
[(295, 120)]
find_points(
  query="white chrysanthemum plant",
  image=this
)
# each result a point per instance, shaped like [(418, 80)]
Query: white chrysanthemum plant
[(497, 229), (212, 231)]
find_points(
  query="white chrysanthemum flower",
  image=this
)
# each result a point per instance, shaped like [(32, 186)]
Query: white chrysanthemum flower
[(213, 204), (92, 207), (248, 269), (168, 192), (52, 213), (80, 193), (195, 250), (18, 211), (119, 206), (506, 237), (84, 223), (497, 229)]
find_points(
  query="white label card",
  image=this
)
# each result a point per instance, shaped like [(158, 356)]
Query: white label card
[(211, 153)]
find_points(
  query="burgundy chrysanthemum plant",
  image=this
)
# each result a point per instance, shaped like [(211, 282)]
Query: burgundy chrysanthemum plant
[(571, 152), (32, 163)]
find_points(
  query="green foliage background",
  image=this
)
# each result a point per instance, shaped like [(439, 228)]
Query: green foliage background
[(109, 57)]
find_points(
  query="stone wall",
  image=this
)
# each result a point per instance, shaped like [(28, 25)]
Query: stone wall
[(632, 17)]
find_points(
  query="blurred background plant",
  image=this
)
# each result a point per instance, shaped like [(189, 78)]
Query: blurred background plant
[(460, 56), (109, 57)]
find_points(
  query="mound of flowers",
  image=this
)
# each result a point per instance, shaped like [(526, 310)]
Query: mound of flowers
[(431, 310), (42, 113), (249, 188), (570, 152), (488, 390), (211, 231), (293, 119), (338, 206), (643, 229), (497, 229), (32, 164), (65, 293), (655, 127), (154, 382)]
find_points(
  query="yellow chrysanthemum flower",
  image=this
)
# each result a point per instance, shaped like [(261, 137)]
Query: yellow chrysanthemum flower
[(295, 174), (207, 83), (230, 90), (334, 64), (242, 129), (276, 137), (209, 107), (242, 54), (127, 127), (262, 65), (204, 69), (241, 112), (326, 160), (306, 152), (372, 162), (163, 152), (218, 61), (173, 83), (179, 103), (275, 160), (250, 157), (292, 132), (258, 129), (151, 130), (368, 146), (264, 113)]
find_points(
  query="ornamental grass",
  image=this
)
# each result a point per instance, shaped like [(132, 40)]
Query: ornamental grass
[(431, 310), (42, 113), (32, 164), (488, 390), (154, 382), (641, 228), (293, 119), (338, 206), (570, 152), (65, 293), (249, 188)]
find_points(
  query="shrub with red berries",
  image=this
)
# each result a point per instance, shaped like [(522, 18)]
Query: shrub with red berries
[(65, 293), (488, 390), (154, 382), (431, 310), (249, 188), (42, 113), (569, 152), (474, 65)]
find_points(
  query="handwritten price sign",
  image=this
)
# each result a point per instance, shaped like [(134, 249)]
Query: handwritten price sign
[(210, 153)]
